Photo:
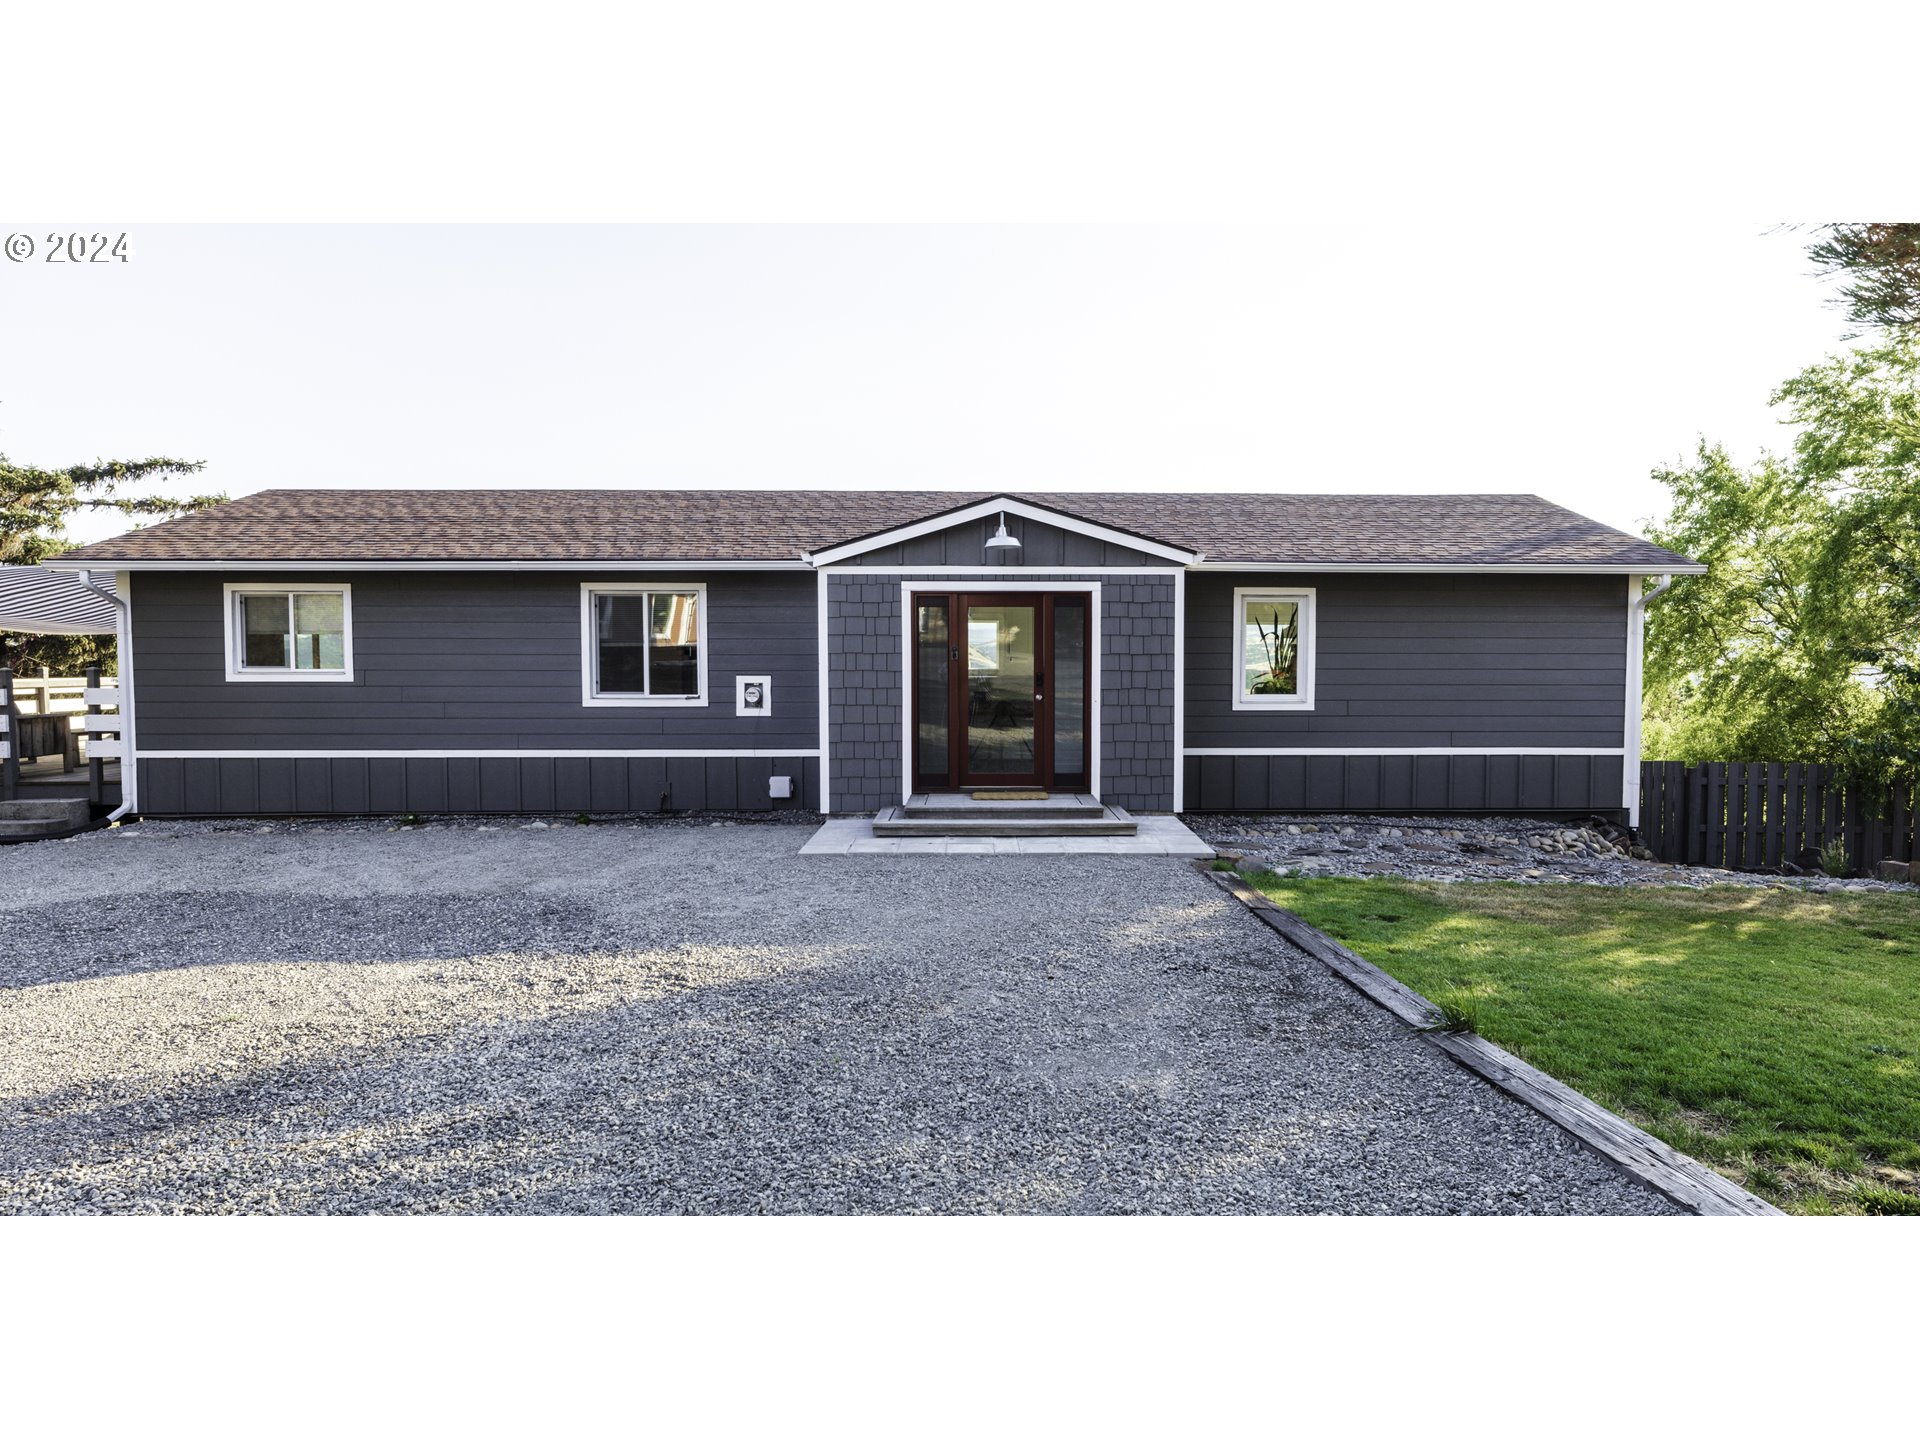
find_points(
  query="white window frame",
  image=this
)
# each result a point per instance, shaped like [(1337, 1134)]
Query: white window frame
[(239, 670), (1307, 599), (590, 649)]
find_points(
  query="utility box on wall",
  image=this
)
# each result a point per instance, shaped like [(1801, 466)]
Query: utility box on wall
[(753, 695)]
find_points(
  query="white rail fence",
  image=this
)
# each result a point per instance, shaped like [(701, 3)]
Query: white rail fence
[(58, 716)]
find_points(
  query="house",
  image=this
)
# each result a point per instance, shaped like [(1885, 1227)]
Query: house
[(383, 651)]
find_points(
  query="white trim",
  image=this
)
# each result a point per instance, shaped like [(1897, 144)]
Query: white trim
[(478, 754), (907, 697), (1638, 598), (1365, 568), (740, 708), (1008, 505), (1308, 600), (826, 727), (237, 668), (1630, 776), (1144, 571), (1093, 691), (590, 652), (322, 565), (1406, 750), (123, 664), (326, 566), (1179, 689)]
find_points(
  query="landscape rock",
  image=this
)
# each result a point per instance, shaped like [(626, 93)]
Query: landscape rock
[(1530, 852)]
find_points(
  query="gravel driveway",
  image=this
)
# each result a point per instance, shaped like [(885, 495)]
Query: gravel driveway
[(688, 1017)]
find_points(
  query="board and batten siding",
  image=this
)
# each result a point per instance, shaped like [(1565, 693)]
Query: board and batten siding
[(449, 661), (1461, 663)]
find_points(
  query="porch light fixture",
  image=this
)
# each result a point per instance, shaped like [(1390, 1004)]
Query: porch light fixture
[(1000, 539)]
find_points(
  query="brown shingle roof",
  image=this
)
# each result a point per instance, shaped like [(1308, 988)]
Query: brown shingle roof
[(611, 526)]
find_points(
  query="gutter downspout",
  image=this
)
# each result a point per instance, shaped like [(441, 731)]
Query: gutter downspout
[(1637, 602), (123, 638)]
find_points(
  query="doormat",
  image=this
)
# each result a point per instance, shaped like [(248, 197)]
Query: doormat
[(1009, 794)]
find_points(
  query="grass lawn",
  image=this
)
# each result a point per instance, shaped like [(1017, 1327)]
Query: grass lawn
[(1772, 1034)]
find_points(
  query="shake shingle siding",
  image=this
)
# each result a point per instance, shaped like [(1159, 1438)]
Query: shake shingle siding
[(866, 690), (1136, 692), (447, 661), (1443, 662)]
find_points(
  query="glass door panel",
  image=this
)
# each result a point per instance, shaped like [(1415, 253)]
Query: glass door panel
[(1069, 689), (933, 756), (1002, 647)]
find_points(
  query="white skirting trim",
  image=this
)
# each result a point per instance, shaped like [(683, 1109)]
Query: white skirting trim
[(479, 754), (1343, 750)]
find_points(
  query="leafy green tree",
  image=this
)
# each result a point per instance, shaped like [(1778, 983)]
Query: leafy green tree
[(1881, 265), (1803, 640), (35, 506)]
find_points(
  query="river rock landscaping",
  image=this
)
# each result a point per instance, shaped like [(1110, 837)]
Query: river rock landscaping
[(1529, 852)]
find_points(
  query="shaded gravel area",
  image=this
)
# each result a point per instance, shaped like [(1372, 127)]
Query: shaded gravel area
[(683, 1017)]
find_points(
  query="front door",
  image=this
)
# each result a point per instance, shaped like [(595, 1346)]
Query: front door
[(1000, 690)]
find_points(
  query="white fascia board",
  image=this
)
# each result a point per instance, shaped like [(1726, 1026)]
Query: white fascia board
[(1002, 505), (1145, 572), (1304, 568), (583, 564)]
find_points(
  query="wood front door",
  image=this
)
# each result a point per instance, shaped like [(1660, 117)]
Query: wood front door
[(1000, 689)]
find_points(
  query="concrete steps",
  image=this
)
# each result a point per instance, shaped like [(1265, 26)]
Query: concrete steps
[(962, 817), (34, 819)]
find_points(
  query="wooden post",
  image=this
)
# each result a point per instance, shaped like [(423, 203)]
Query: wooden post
[(1696, 811), (1791, 843), (96, 767), (9, 737)]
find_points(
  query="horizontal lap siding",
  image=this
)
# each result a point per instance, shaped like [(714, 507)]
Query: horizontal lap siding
[(466, 662), (1419, 662)]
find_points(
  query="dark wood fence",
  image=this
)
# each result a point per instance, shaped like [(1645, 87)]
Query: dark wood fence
[(1754, 815)]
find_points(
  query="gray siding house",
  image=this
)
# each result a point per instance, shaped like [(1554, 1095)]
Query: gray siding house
[(344, 652)]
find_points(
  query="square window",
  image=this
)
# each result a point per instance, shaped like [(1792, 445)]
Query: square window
[(644, 646)]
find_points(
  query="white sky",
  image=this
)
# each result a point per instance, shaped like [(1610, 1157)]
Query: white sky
[(1567, 361)]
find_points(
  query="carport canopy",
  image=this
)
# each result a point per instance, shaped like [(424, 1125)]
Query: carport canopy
[(49, 602)]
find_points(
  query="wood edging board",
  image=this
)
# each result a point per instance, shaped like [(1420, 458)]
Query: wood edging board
[(1651, 1161)]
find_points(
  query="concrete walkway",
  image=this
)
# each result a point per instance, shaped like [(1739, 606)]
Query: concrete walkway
[(1157, 835)]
